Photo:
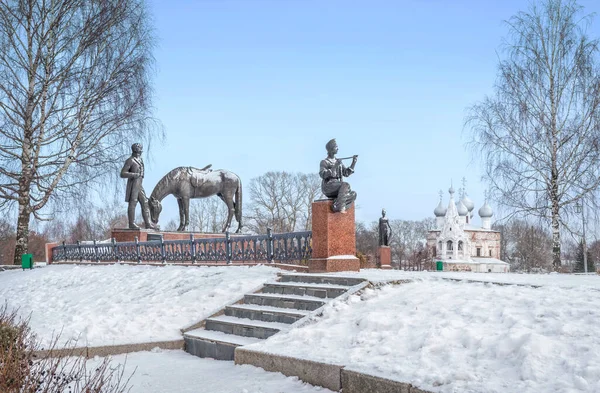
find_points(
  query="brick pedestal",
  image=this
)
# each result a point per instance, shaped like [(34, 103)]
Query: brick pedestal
[(49, 247), (385, 257), (129, 235), (333, 239)]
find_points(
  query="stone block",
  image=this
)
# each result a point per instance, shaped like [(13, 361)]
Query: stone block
[(315, 373), (354, 382), (332, 233), (49, 247), (334, 264), (385, 257), (129, 235)]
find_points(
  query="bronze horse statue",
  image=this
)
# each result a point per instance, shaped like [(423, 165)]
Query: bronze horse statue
[(185, 183)]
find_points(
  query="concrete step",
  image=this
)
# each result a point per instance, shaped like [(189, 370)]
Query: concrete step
[(313, 279), (265, 313), (214, 344), (309, 303), (244, 327), (304, 289)]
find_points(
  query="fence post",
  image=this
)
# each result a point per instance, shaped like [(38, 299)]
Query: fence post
[(79, 250), (192, 248), (228, 247), (65, 251), (137, 250), (270, 250), (162, 250), (114, 249), (96, 252)]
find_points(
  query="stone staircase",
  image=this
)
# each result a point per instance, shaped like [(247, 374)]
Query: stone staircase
[(278, 306)]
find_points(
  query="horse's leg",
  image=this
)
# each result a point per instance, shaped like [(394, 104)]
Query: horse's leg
[(186, 207), (228, 199), (181, 215), (238, 207)]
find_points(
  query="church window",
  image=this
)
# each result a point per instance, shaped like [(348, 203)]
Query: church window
[(434, 251), (490, 252), (478, 251), (460, 245), (449, 245)]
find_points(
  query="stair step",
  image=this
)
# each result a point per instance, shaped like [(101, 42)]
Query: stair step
[(244, 327), (284, 301), (309, 278), (214, 344), (305, 289), (265, 313), (224, 338)]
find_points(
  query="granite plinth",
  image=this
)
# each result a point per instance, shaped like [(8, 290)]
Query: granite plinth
[(332, 233), (48, 249), (333, 239), (129, 235), (341, 263), (385, 257)]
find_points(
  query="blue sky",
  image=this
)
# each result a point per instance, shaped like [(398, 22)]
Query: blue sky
[(260, 85)]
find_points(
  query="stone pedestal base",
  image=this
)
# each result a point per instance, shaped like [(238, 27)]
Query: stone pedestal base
[(385, 257), (340, 263), (333, 239), (129, 235)]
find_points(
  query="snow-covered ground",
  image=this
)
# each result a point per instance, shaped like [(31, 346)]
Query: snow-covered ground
[(439, 334), (448, 336), (120, 304), (552, 279), (179, 372)]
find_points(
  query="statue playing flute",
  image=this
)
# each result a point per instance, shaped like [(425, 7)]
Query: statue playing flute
[(333, 171)]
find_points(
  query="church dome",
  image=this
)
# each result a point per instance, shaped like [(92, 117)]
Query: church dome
[(468, 203), (485, 211), (462, 209), (440, 210)]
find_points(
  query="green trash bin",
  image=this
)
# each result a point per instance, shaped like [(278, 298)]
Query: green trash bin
[(439, 266), (27, 261)]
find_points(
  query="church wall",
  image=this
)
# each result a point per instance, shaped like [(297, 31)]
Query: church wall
[(486, 241)]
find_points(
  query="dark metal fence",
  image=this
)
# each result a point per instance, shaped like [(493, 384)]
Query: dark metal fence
[(290, 248)]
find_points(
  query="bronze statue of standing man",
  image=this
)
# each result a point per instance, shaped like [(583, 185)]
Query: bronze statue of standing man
[(332, 172), (385, 231), (133, 171)]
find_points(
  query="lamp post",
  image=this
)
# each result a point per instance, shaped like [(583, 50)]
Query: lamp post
[(580, 208)]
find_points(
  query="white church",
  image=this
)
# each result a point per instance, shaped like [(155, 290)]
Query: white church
[(458, 245)]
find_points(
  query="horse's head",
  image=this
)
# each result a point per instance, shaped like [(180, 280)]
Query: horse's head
[(155, 209)]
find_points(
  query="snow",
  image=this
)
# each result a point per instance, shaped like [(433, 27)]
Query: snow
[(552, 279), (448, 336), (120, 304), (442, 331), (178, 372)]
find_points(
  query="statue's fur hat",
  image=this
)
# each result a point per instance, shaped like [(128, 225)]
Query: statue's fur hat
[(330, 144)]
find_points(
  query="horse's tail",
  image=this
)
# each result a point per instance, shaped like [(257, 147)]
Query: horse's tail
[(238, 203)]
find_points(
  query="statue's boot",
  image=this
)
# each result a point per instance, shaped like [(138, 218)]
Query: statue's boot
[(131, 216), (146, 216)]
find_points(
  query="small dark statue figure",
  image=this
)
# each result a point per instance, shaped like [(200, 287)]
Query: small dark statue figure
[(385, 231), (332, 171), (133, 171), (185, 183)]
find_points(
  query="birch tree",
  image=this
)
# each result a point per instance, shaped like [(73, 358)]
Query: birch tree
[(74, 93), (282, 201), (538, 134)]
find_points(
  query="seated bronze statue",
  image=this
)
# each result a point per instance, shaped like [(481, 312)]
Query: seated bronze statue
[(332, 172)]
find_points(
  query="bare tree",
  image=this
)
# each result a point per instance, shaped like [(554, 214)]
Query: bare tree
[(74, 93), (207, 215), (538, 134), (367, 238), (409, 239), (282, 201), (526, 246)]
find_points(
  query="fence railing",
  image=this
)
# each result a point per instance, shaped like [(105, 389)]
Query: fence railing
[(290, 248)]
